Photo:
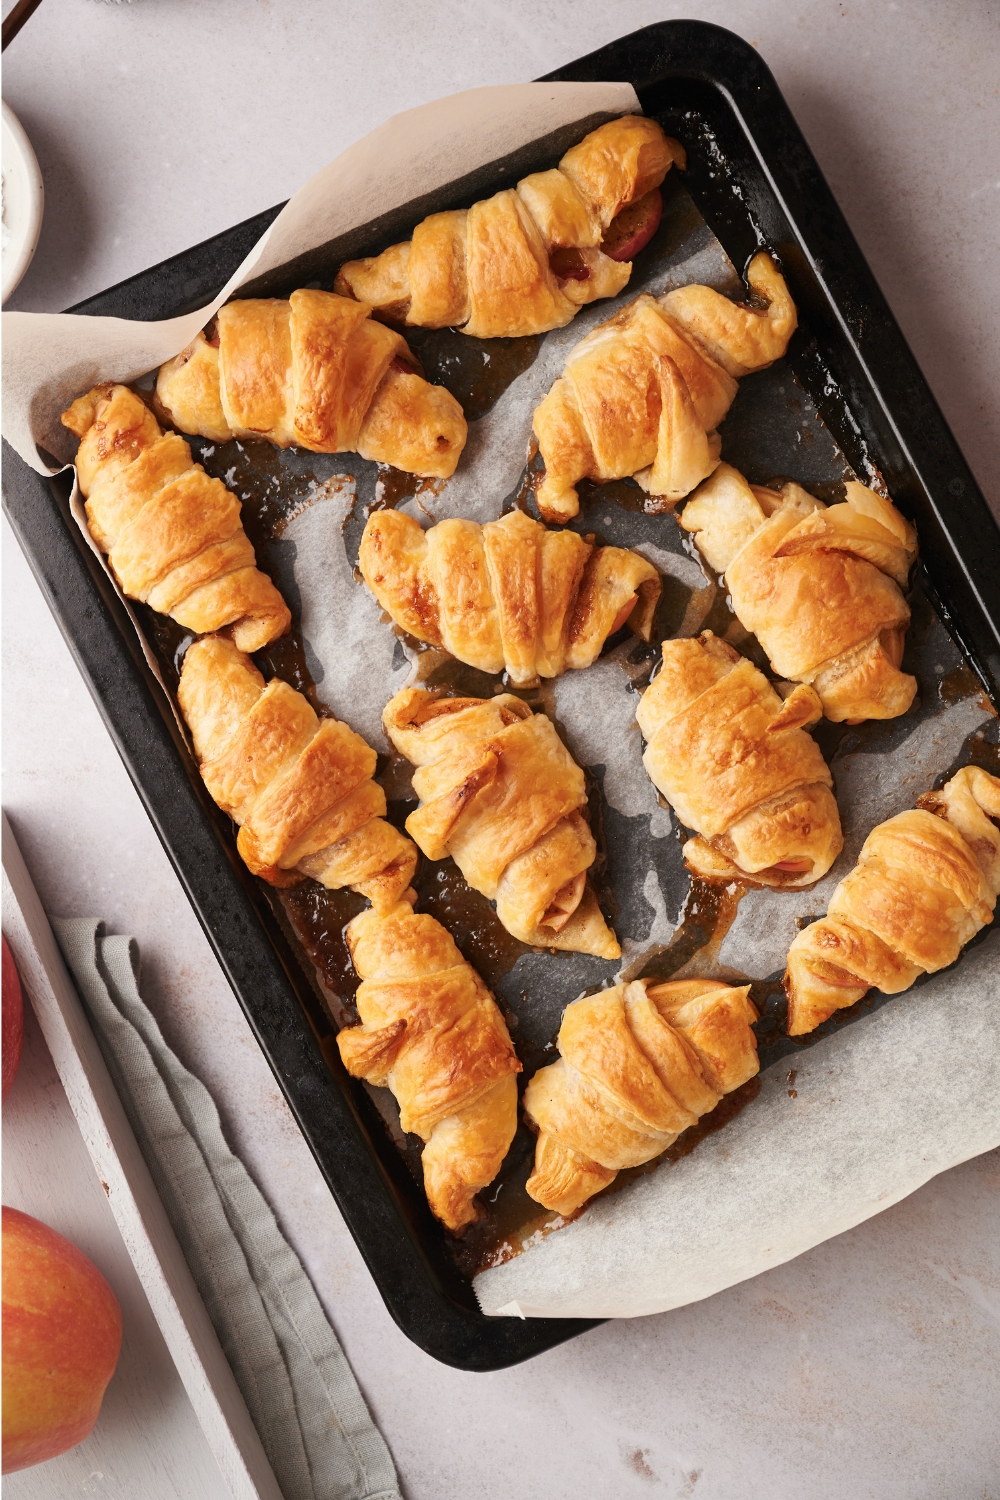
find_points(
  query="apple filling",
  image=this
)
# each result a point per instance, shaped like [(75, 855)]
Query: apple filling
[(564, 903), (567, 264), (624, 613), (633, 227), (630, 231)]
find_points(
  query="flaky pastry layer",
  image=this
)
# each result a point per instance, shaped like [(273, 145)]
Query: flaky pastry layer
[(639, 1063), (926, 881), (173, 536), (299, 786), (508, 596)]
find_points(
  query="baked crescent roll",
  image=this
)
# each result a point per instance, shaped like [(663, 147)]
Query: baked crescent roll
[(642, 394), (502, 795), (173, 536), (527, 259), (315, 372), (820, 587), (300, 786), (432, 1033), (639, 1063), (925, 882), (509, 595), (737, 766)]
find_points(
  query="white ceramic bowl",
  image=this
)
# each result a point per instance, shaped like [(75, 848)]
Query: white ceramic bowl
[(23, 201)]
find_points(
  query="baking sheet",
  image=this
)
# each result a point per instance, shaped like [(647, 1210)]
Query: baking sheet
[(305, 513), (852, 1129)]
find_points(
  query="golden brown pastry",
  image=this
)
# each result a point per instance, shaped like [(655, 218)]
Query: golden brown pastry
[(737, 766), (509, 595), (432, 1033), (819, 587), (502, 795), (639, 1063), (173, 536), (525, 260), (300, 786), (643, 393), (925, 882), (316, 372)]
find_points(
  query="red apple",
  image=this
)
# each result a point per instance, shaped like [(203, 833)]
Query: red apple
[(12, 1038), (62, 1330), (633, 227)]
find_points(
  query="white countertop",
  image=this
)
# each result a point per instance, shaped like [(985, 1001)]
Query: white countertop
[(868, 1367)]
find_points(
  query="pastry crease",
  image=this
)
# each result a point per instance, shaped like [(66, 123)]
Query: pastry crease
[(172, 534), (432, 1033), (299, 786), (925, 883), (639, 1064)]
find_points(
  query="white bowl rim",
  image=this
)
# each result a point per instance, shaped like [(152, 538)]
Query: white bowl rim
[(16, 264)]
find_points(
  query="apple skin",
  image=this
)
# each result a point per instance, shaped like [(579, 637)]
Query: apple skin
[(62, 1332), (13, 1020), (633, 227)]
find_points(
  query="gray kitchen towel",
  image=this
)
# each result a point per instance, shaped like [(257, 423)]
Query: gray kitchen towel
[(313, 1422)]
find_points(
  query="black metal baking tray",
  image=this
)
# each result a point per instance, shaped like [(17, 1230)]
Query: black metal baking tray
[(755, 181)]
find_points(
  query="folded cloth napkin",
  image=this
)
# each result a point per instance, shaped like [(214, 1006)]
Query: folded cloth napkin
[(313, 1422)]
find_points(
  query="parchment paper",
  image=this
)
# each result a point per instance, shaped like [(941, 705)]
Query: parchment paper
[(877, 1111), (50, 358), (883, 1102)]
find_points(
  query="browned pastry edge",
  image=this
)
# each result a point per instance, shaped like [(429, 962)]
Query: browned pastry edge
[(432, 1033), (639, 1063), (925, 883), (299, 786), (172, 534)]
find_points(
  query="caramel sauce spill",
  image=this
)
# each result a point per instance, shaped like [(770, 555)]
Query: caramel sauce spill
[(319, 918), (959, 684), (709, 911), (471, 919)]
